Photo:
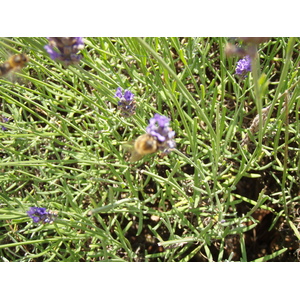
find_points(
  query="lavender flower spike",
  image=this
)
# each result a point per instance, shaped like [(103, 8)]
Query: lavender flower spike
[(159, 128), (40, 214), (243, 67), (3, 120), (67, 49), (126, 104)]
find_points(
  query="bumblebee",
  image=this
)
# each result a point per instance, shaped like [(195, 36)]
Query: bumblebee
[(15, 62), (144, 144)]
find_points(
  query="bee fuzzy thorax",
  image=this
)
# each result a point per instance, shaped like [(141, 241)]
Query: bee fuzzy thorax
[(146, 144), (158, 137), (143, 145), (14, 63)]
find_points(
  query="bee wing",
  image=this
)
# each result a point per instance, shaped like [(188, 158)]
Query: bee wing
[(129, 147), (135, 156)]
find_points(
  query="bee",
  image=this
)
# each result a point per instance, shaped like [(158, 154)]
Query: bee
[(15, 62), (144, 144)]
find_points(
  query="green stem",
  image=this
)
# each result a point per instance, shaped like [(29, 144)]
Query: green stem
[(257, 95)]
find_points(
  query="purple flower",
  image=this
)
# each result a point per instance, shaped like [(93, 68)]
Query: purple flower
[(126, 104), (40, 214), (67, 49), (243, 67), (4, 120), (53, 54), (159, 128)]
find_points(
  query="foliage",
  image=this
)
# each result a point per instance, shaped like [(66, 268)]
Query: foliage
[(213, 198)]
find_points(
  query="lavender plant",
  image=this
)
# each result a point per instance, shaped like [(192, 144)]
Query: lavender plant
[(227, 189), (65, 49)]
